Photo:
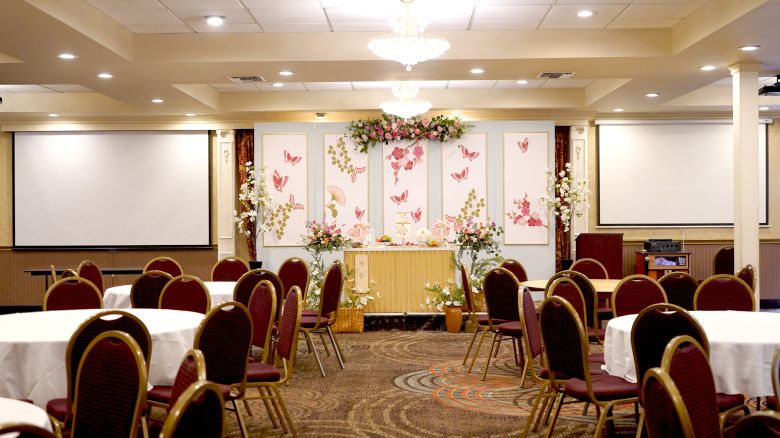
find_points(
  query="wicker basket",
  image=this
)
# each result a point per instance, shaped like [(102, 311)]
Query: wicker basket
[(349, 321)]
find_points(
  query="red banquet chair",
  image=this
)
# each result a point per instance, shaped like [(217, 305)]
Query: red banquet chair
[(679, 288), (501, 293), (635, 293), (723, 261), (165, 264), (72, 293), (515, 268), (591, 268), (89, 270), (724, 292), (665, 413), (326, 314), (192, 369), (199, 412), (748, 274), (294, 272), (146, 289), (480, 321), (245, 285), (229, 269), (185, 292), (262, 307)]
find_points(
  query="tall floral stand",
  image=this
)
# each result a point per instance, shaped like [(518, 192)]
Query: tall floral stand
[(453, 318), (349, 320)]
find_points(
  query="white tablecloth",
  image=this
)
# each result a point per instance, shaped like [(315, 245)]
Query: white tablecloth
[(15, 411), (118, 297), (32, 349), (742, 345)]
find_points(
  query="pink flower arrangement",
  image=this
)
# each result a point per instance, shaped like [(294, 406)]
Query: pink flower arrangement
[(389, 128), (475, 237), (323, 236)]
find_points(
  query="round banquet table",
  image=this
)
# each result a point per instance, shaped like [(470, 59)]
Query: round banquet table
[(118, 297), (601, 286), (742, 345), (15, 411), (32, 348)]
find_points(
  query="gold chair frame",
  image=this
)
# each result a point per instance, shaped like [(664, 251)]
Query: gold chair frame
[(200, 368), (192, 393), (66, 279), (632, 278), (154, 272), (187, 277), (588, 259), (321, 330), (287, 286), (729, 276), (166, 258), (666, 381), (239, 259)]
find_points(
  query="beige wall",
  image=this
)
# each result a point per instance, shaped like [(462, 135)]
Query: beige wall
[(6, 189)]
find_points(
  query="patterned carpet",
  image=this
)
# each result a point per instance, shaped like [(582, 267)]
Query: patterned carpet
[(410, 384)]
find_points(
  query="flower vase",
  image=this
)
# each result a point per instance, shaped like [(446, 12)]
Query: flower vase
[(255, 264), (566, 264), (453, 317)]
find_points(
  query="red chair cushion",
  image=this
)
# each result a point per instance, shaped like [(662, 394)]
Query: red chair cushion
[(605, 387), (309, 313), (594, 368), (482, 319), (162, 393), (771, 402), (728, 401), (262, 372), (57, 408), (311, 321), (512, 328)]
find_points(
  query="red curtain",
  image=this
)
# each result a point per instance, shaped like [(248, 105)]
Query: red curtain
[(562, 156), (245, 152)]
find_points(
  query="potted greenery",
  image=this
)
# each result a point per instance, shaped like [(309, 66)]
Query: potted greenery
[(350, 312), (449, 299)]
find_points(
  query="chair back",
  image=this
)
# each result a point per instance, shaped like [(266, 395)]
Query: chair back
[(229, 269), (191, 370), (294, 272), (225, 338), (532, 337), (199, 412), (89, 270), (110, 388), (67, 273), (289, 327), (776, 373), (723, 261), (331, 293), (653, 328), (146, 289), (748, 274), (665, 412), (591, 268), (500, 287), (565, 341), (245, 285), (688, 365), (758, 424), (72, 293), (467, 292), (634, 293), (24, 430), (679, 288), (515, 268), (165, 264), (724, 292), (567, 289), (262, 307), (118, 320), (185, 292)]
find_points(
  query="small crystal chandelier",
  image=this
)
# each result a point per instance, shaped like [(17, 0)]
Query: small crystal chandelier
[(408, 45), (405, 105)]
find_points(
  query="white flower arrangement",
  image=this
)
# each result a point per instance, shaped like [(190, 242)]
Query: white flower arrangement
[(567, 196), (443, 296), (255, 201)]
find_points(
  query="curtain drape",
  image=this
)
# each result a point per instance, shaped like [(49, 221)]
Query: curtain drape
[(562, 156), (245, 152)]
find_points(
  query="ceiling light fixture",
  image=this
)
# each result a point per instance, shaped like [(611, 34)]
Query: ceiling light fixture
[(53, 115), (277, 84), (408, 44), (66, 56), (215, 20), (749, 48), (406, 104), (707, 68), (522, 82), (477, 71), (158, 100), (286, 73), (652, 95), (764, 108), (618, 110), (585, 13), (190, 114), (105, 75)]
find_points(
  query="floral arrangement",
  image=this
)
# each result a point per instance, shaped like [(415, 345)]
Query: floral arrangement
[(567, 196), (256, 206), (366, 133), (443, 296), (358, 298), (320, 237), (475, 237)]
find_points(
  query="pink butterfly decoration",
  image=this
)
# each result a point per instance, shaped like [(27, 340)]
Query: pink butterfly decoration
[(416, 215), (295, 205), (357, 172), (460, 176), (468, 154), (524, 145), (292, 159), (279, 181), (450, 218), (400, 198), (359, 213)]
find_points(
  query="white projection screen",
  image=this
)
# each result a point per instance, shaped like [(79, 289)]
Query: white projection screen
[(111, 189), (673, 174)]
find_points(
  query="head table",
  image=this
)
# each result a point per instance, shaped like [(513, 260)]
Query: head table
[(118, 297), (32, 348), (742, 345)]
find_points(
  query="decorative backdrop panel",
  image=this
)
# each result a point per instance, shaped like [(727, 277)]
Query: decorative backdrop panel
[(525, 165), (405, 185), (464, 180), (284, 158), (346, 181)]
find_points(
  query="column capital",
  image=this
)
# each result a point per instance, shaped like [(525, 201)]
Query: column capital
[(745, 66)]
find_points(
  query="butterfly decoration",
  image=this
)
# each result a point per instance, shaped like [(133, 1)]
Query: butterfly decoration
[(293, 204), (460, 176), (359, 213), (279, 181), (358, 171), (468, 154), (400, 198), (523, 145), (416, 215), (449, 218), (292, 159)]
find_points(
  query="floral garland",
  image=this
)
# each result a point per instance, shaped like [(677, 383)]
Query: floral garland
[(366, 133)]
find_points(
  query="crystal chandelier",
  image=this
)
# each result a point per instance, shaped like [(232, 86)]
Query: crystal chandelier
[(408, 45), (405, 104)]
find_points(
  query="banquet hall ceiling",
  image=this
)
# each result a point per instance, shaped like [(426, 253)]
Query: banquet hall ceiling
[(164, 49)]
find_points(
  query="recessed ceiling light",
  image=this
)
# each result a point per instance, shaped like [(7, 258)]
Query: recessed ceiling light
[(764, 108), (652, 95), (707, 68), (190, 114), (618, 110), (158, 100), (522, 82), (286, 73), (477, 71), (278, 84), (585, 13), (749, 48), (53, 115), (105, 75), (66, 56), (215, 20)]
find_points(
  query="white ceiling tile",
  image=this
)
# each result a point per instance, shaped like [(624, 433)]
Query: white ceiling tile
[(297, 15), (249, 4), (226, 28), (198, 16), (621, 23), (594, 3), (510, 13), (234, 86), (384, 5), (567, 83), (447, 25), (288, 86), (658, 11), (480, 84), (296, 27), (358, 13), (532, 83), (108, 5), (504, 25), (328, 86), (515, 2), (145, 17), (373, 85), (202, 4), (565, 16), (67, 88), (366, 26), (431, 85), (25, 89), (177, 28), (699, 2)]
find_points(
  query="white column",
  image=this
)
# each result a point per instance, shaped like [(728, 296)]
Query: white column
[(578, 153), (745, 103), (225, 169)]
